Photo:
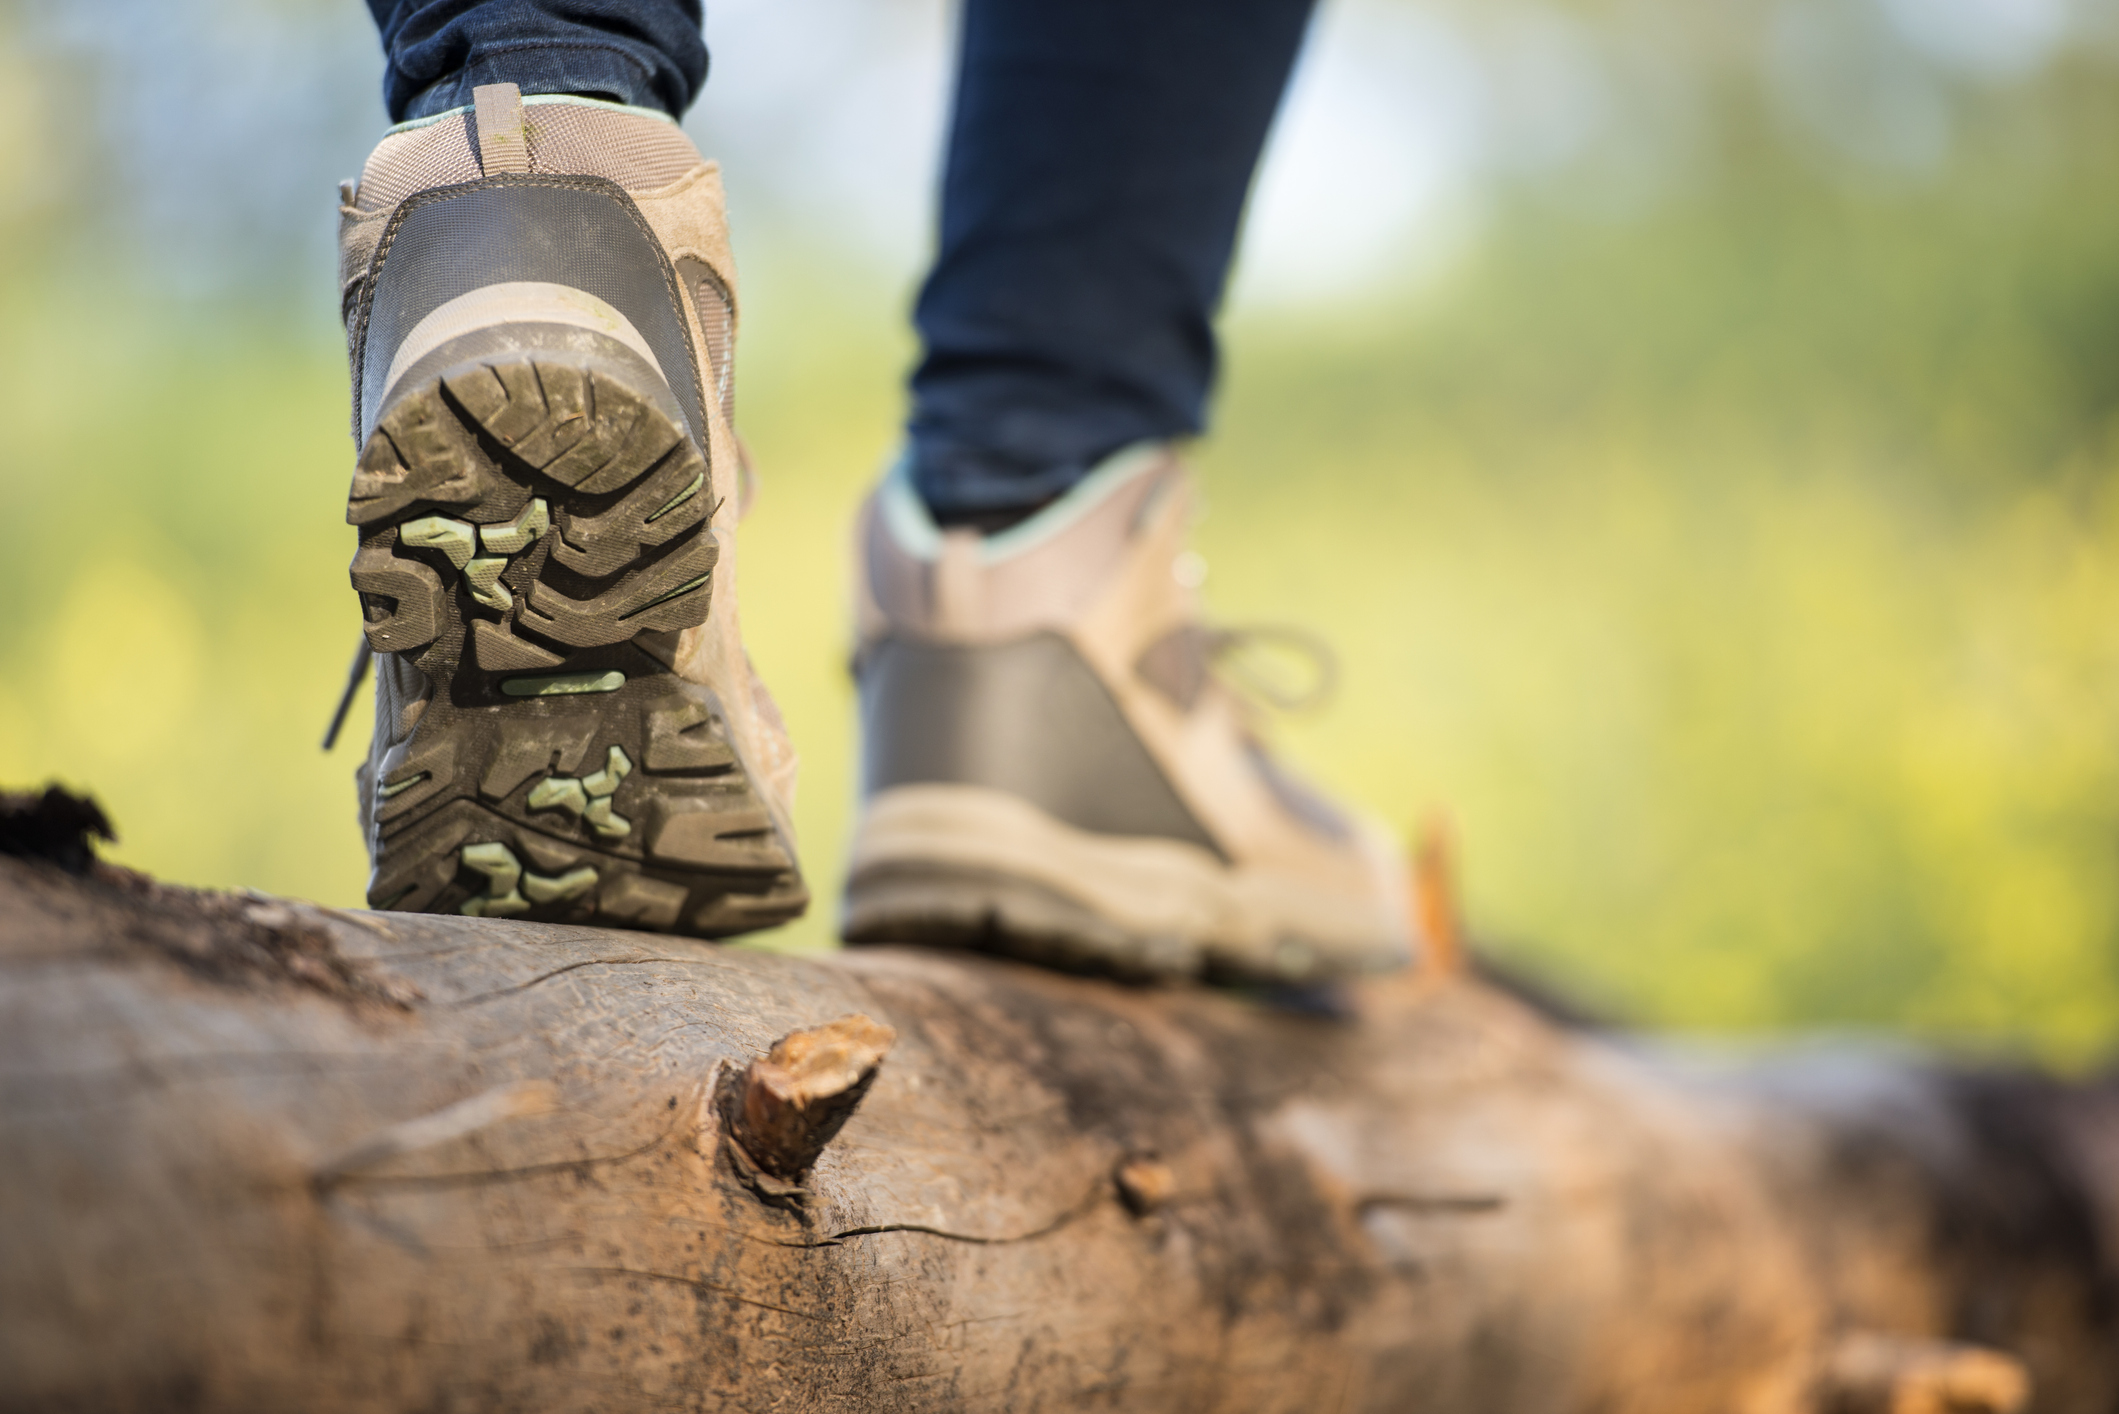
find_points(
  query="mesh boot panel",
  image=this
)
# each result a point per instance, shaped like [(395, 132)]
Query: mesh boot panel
[(717, 331), (573, 139), (440, 154), (638, 153)]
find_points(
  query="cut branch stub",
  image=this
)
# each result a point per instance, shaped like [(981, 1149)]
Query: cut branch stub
[(791, 1102), (1145, 1183)]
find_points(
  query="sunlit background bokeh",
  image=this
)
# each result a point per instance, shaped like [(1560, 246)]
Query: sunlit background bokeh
[(1692, 422)]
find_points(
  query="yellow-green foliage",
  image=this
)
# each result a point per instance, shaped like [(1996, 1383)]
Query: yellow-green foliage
[(1739, 572)]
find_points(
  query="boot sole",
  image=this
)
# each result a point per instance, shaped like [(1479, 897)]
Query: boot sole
[(968, 866), (534, 538)]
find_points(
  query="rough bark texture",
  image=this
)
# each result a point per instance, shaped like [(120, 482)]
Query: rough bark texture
[(259, 1156)]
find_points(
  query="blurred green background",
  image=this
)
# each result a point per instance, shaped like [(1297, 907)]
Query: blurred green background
[(1694, 425)]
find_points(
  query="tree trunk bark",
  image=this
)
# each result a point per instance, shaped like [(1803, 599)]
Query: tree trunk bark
[(256, 1155)]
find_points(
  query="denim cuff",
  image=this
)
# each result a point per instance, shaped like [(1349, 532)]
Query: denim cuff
[(585, 70), (955, 480)]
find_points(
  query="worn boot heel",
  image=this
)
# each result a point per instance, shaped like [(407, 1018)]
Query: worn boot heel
[(533, 539)]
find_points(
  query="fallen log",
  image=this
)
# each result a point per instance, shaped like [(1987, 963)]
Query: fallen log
[(256, 1155)]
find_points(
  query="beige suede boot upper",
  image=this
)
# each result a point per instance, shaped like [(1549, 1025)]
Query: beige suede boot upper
[(1053, 767)]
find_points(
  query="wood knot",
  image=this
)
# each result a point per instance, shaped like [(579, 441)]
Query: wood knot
[(1145, 1183), (791, 1102)]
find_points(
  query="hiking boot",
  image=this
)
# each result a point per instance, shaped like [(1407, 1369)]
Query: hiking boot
[(540, 308), (1053, 769)]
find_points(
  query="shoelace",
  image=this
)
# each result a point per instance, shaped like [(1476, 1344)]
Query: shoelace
[(1232, 651), (361, 658)]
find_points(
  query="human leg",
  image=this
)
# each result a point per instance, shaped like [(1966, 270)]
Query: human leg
[(1099, 156)]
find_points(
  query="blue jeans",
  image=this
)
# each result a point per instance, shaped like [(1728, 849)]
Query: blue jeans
[(1099, 155)]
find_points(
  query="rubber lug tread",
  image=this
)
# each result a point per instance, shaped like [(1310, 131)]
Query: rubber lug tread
[(627, 500)]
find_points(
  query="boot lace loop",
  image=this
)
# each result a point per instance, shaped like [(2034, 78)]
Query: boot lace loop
[(1285, 667)]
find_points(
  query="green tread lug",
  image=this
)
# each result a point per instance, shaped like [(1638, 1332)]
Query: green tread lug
[(572, 884), (563, 684), (456, 539), (559, 793), (588, 798), (617, 766), (503, 874), (483, 575), (515, 536), (599, 817)]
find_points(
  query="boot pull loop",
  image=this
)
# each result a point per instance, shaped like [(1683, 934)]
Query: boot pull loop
[(503, 144), (958, 585)]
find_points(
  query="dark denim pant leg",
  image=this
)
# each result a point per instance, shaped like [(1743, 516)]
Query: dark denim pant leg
[(1099, 155), (645, 52)]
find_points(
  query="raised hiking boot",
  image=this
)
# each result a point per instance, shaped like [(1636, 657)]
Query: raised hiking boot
[(540, 308), (1052, 769)]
